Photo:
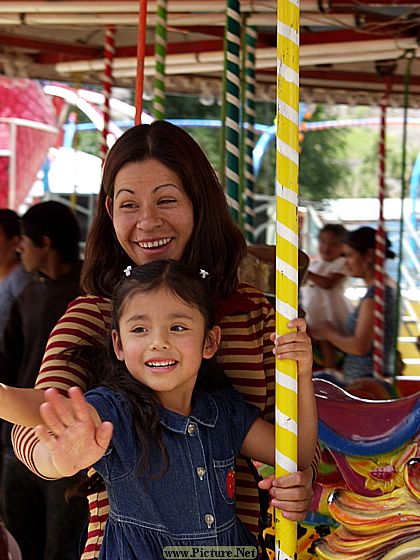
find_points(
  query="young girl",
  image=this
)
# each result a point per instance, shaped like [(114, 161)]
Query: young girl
[(322, 295), (158, 431)]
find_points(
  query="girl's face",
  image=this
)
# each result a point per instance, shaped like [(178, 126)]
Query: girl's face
[(330, 246), (151, 212), (357, 263), (162, 342)]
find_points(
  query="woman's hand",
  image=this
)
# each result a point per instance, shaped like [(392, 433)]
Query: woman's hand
[(72, 432), (292, 493), (295, 345)]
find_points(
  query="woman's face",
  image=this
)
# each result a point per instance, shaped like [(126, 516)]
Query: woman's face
[(151, 212), (357, 263)]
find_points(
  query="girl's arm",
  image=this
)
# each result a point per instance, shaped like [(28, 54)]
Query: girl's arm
[(259, 441), (72, 438), (358, 344), (326, 282), (297, 346), (85, 322), (21, 406)]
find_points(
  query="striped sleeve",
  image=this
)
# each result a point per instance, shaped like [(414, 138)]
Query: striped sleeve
[(85, 323)]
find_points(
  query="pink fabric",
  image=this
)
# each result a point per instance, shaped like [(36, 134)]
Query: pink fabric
[(24, 99)]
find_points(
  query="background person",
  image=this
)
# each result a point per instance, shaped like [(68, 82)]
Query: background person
[(357, 343), (37, 513), (13, 277), (160, 198)]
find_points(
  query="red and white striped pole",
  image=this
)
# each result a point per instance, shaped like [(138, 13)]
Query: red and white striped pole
[(141, 53), (109, 49), (380, 250)]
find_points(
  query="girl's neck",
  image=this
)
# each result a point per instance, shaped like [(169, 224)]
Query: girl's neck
[(174, 403)]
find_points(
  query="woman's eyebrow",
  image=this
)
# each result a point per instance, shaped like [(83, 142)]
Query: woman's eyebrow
[(124, 189)]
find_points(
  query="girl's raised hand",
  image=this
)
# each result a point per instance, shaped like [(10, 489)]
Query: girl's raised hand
[(72, 432), (295, 346)]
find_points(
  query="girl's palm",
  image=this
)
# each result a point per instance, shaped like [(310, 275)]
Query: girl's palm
[(75, 441)]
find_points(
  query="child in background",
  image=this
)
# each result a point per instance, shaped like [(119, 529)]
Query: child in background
[(159, 431), (322, 295)]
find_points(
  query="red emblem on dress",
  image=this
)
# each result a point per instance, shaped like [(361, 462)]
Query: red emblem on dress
[(230, 483)]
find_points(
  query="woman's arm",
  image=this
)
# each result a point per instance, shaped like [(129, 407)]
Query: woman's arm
[(358, 344), (21, 406), (72, 438)]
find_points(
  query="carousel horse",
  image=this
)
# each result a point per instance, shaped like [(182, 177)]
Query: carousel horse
[(369, 489)]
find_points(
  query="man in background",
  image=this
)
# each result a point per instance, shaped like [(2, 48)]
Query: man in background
[(35, 511)]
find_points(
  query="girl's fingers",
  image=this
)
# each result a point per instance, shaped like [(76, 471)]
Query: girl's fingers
[(267, 482), (104, 434), (80, 408), (61, 406), (51, 419)]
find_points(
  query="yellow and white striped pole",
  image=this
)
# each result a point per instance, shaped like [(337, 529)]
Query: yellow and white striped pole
[(287, 166)]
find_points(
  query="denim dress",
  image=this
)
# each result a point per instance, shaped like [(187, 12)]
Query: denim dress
[(193, 503)]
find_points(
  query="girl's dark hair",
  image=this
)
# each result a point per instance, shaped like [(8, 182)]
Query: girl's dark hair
[(364, 238), (188, 286), (337, 230), (216, 243), (57, 222), (9, 223)]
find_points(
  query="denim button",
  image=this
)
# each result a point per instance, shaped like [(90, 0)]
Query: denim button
[(191, 428), (209, 519), (201, 471)]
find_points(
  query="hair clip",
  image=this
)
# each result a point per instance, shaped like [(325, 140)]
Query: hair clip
[(203, 273), (127, 271)]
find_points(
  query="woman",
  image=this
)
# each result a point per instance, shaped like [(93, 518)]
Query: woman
[(357, 343), (160, 198)]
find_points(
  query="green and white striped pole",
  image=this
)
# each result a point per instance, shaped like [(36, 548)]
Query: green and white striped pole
[(160, 60), (231, 120), (249, 132)]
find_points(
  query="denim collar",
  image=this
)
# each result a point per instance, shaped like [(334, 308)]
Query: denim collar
[(205, 412)]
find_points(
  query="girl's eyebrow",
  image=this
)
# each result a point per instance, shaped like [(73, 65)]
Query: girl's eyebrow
[(137, 317), (144, 317)]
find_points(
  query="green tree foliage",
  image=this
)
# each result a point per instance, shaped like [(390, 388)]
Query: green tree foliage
[(324, 171), (362, 149)]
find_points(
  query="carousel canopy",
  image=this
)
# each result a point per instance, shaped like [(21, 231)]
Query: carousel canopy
[(347, 47)]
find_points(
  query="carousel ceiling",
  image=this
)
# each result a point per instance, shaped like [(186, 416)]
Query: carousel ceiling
[(347, 47)]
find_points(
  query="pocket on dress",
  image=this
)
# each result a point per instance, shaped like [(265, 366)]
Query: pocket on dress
[(225, 476)]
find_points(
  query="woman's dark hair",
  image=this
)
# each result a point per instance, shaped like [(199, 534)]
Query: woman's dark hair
[(364, 238), (56, 221), (188, 286), (9, 223), (216, 243)]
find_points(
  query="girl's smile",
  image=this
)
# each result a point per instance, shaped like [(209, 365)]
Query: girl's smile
[(152, 215), (162, 340)]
